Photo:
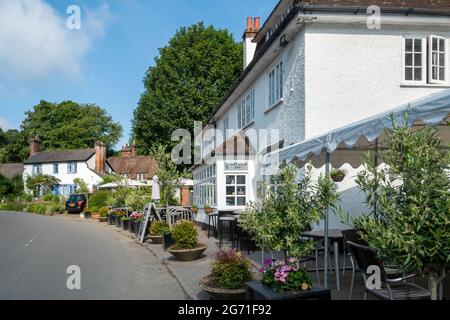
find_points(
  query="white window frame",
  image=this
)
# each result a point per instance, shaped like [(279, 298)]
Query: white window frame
[(236, 185), (427, 66), (430, 59), (423, 60), (55, 168), (37, 169), (246, 110), (69, 168), (275, 84)]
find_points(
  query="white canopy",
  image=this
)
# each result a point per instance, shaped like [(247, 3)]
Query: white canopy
[(126, 183), (350, 142)]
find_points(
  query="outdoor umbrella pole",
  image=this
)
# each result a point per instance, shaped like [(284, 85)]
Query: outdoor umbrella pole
[(327, 214)]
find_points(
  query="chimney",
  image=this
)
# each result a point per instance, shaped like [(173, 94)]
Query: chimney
[(133, 151), (253, 26), (100, 156), (35, 145), (126, 151)]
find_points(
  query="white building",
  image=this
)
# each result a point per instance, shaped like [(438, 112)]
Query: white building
[(318, 67), (66, 166)]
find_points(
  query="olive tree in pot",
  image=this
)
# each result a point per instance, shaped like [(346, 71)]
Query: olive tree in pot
[(410, 220), (282, 216), (186, 247), (230, 272)]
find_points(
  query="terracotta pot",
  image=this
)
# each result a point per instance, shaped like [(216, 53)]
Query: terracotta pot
[(188, 254), (194, 210), (207, 285), (157, 239), (208, 211)]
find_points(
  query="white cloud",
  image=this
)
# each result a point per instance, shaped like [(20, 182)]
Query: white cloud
[(35, 42)]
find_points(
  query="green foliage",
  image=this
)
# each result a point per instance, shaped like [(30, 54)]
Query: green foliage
[(230, 270), (185, 235), (169, 178), (5, 186), (159, 228), (191, 76), (288, 211), (37, 208), (45, 181), (110, 179), (12, 144), (286, 276), (137, 199), (82, 186), (51, 198), (99, 199), (13, 206), (69, 125), (103, 212), (410, 201)]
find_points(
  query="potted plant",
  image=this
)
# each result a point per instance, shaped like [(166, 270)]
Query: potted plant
[(338, 175), (277, 221), (230, 272), (207, 208), (103, 215), (186, 247), (194, 209), (125, 222), (157, 230), (135, 222)]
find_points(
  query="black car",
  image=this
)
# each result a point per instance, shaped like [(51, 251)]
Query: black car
[(76, 203)]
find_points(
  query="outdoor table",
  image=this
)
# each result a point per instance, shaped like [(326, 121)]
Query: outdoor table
[(335, 236), (212, 222), (257, 291)]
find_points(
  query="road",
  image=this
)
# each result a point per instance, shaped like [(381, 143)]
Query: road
[(35, 252)]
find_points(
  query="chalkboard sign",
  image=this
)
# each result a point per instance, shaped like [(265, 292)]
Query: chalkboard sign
[(144, 224)]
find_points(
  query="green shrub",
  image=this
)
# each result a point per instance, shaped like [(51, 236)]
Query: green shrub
[(99, 198), (12, 206), (37, 208), (103, 212), (159, 228), (185, 235), (51, 198), (136, 200), (93, 209), (230, 270)]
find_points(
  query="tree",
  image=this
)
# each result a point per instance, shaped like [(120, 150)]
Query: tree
[(69, 125), (46, 182), (169, 177), (192, 75), (12, 146), (412, 199), (5, 186), (288, 211)]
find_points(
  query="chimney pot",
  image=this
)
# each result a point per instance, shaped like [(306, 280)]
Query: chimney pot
[(257, 23), (249, 23)]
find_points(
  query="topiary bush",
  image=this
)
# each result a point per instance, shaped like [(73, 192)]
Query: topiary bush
[(159, 228), (231, 270), (185, 235)]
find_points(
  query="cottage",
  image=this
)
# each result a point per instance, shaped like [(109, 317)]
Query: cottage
[(315, 66)]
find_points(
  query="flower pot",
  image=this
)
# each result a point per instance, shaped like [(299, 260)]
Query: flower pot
[(132, 226), (125, 224), (168, 241), (157, 239), (188, 254), (209, 210), (137, 225), (85, 215), (207, 285), (337, 178), (119, 223), (257, 291), (194, 210)]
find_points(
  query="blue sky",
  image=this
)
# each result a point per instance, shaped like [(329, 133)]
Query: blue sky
[(105, 61)]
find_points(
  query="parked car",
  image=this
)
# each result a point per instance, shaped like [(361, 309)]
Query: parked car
[(76, 203)]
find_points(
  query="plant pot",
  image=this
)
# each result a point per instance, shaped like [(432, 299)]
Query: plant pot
[(337, 178), (207, 285), (194, 210), (208, 211), (257, 291), (168, 241), (188, 254), (157, 239), (119, 222), (125, 224), (137, 225), (132, 225)]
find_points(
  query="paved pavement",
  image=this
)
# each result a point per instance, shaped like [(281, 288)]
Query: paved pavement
[(35, 252)]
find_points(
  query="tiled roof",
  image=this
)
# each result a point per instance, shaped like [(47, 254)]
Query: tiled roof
[(133, 165), (61, 156), (422, 4), (11, 170)]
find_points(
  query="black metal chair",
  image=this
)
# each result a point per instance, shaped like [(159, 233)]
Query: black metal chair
[(226, 226), (393, 286)]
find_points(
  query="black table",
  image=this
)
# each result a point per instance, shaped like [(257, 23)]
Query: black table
[(335, 236), (257, 291)]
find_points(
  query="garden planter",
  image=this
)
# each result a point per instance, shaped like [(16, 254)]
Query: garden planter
[(137, 225), (125, 224), (188, 254), (168, 241), (207, 285), (257, 291), (337, 178), (208, 211), (120, 223), (157, 239)]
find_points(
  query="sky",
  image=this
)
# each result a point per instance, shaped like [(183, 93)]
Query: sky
[(100, 58)]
